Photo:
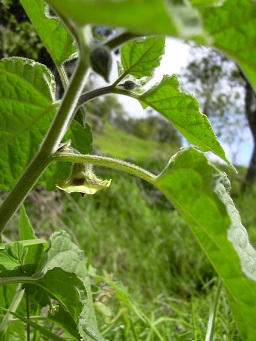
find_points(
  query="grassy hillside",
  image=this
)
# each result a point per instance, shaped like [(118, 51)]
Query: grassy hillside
[(118, 143), (134, 238)]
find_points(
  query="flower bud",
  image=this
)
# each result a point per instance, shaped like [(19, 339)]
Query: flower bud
[(101, 61), (82, 180)]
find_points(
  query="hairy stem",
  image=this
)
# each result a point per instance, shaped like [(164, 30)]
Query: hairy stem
[(107, 162), (51, 142), (104, 91)]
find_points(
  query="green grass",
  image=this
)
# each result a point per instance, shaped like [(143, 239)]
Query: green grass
[(121, 145), (132, 235), (148, 247)]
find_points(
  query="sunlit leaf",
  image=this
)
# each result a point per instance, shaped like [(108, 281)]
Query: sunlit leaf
[(233, 28), (197, 190), (140, 57), (184, 113), (27, 106), (54, 35)]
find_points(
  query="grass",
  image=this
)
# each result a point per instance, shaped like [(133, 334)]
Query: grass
[(132, 235), (148, 247), (122, 145)]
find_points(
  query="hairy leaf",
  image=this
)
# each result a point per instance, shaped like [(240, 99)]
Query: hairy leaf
[(66, 255), (27, 91), (196, 189), (62, 275), (27, 106), (184, 113), (140, 57), (233, 28), (54, 35)]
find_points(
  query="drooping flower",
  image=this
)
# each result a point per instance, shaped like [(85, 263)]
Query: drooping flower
[(82, 180)]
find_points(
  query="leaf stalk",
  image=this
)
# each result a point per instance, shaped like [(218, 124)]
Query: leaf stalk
[(106, 162)]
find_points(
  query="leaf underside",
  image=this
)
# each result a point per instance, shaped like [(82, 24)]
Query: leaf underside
[(195, 188)]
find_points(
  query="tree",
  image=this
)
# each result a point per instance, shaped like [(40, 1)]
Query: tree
[(225, 95), (250, 112)]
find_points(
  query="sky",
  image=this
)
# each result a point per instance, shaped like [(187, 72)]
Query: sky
[(177, 55)]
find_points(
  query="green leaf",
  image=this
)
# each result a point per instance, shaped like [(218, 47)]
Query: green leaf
[(62, 47), (62, 318), (227, 25), (13, 256), (144, 16), (140, 57), (65, 287), (26, 232), (233, 28), (196, 188), (27, 95), (184, 113), (63, 276), (27, 91), (66, 255)]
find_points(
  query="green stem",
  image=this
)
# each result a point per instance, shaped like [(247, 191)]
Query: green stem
[(93, 94), (63, 76), (104, 91), (51, 142), (28, 317), (106, 162)]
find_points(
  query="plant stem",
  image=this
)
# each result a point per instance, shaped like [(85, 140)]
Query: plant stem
[(104, 91), (51, 142), (63, 76), (28, 317), (106, 162)]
